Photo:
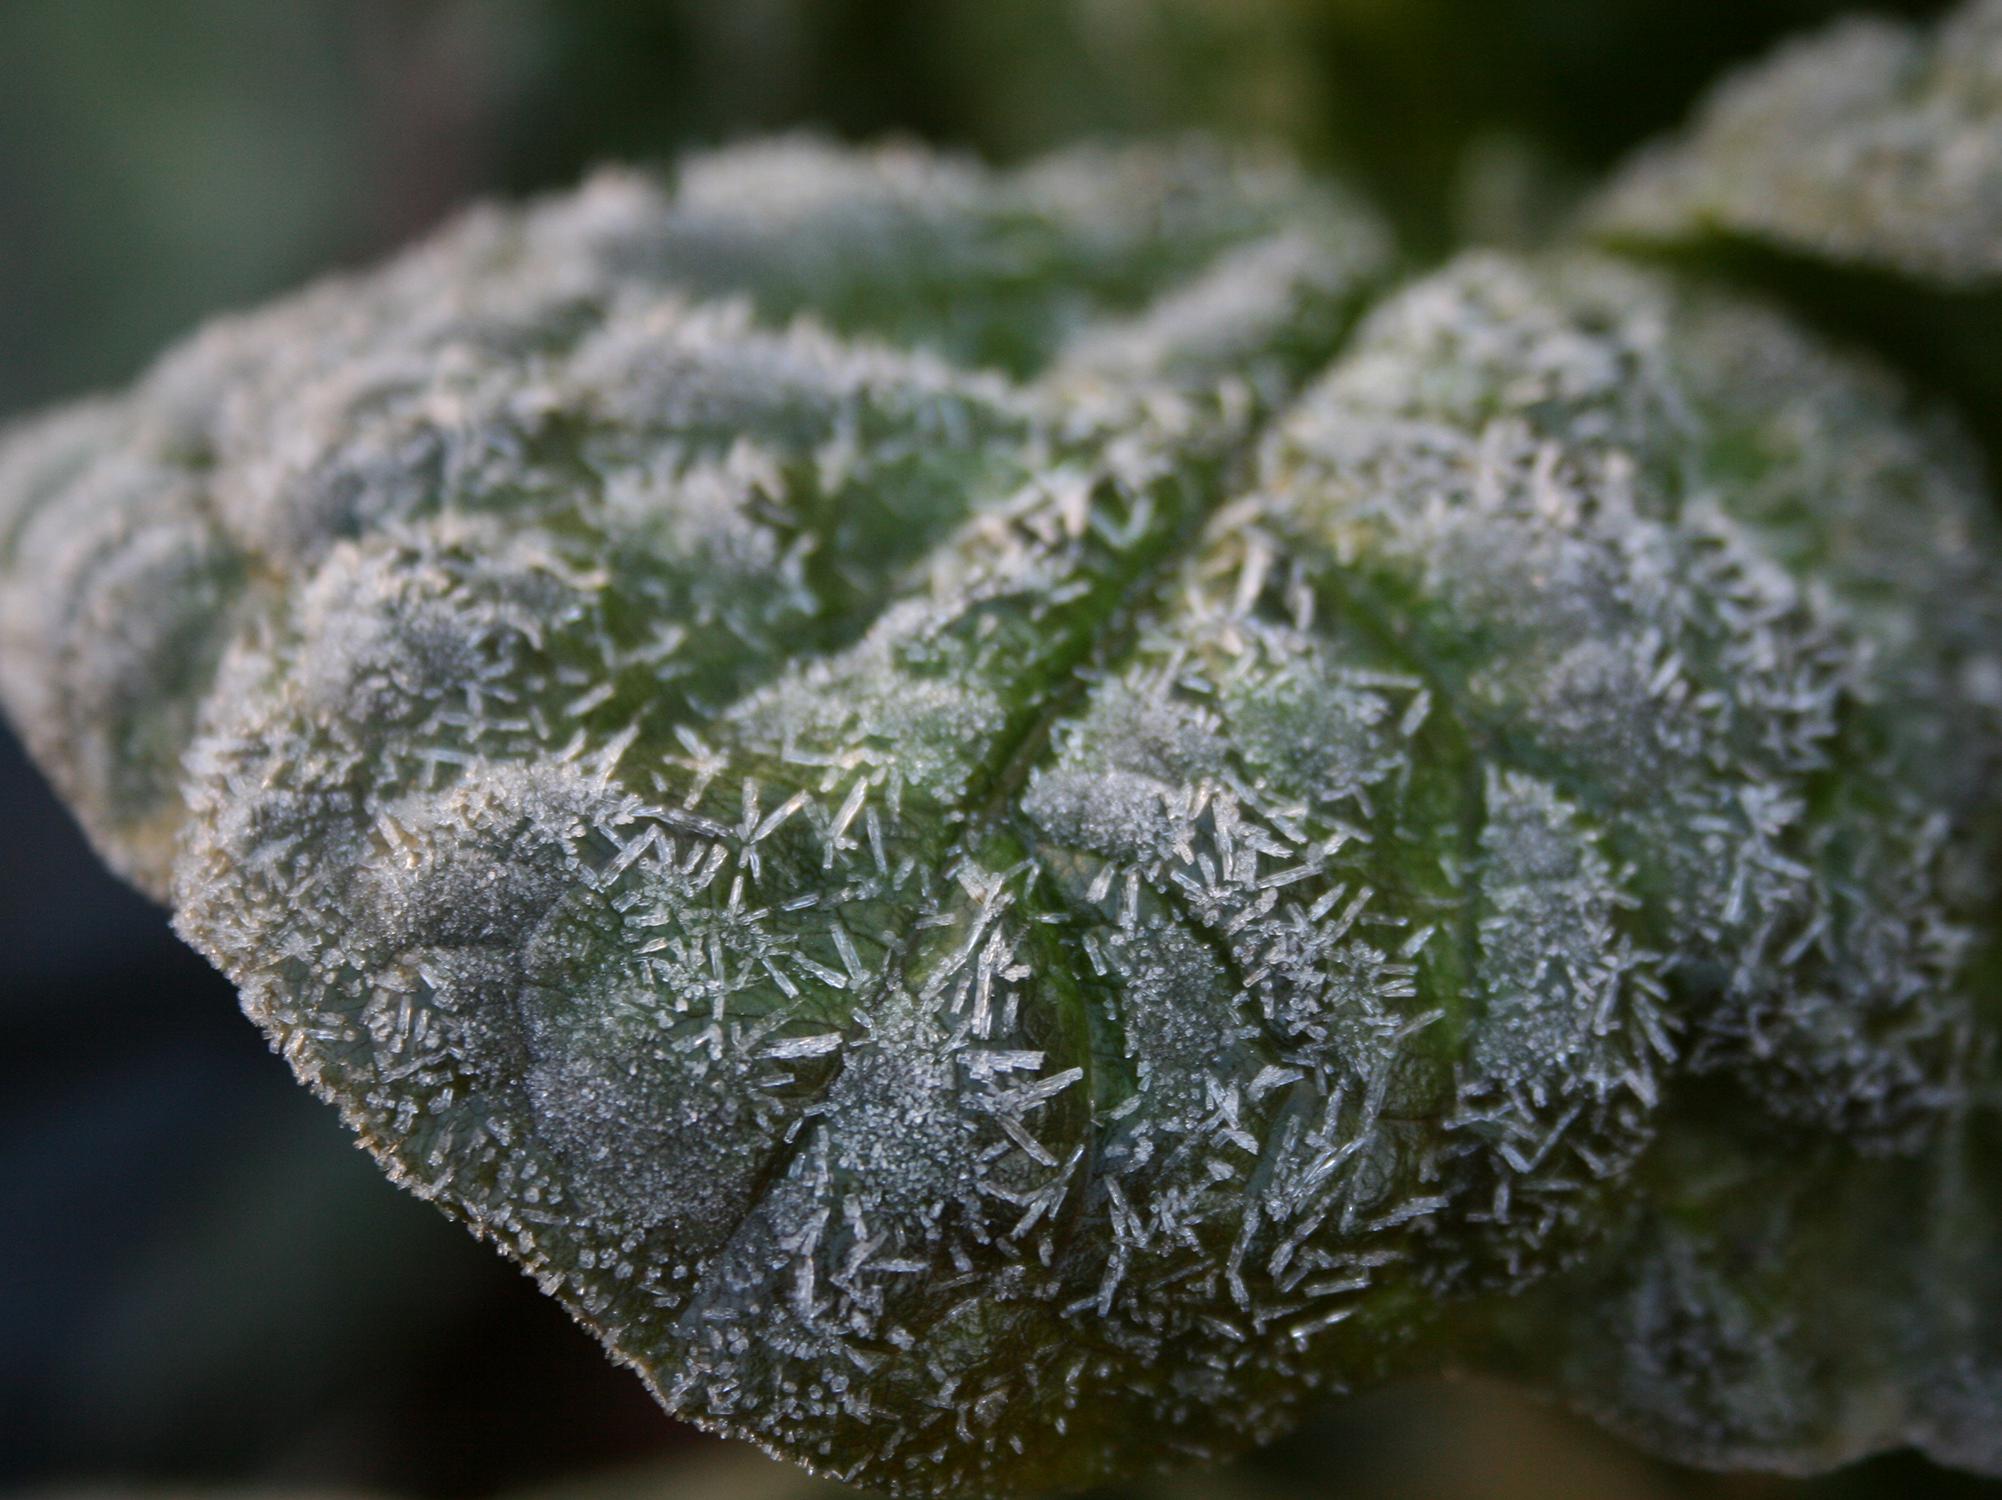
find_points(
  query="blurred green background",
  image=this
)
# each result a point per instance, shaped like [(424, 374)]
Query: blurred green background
[(201, 1284)]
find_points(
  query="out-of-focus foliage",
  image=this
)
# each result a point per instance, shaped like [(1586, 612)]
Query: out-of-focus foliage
[(1855, 172), (1872, 146)]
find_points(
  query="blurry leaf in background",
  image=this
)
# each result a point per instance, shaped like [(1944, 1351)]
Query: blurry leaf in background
[(1852, 171)]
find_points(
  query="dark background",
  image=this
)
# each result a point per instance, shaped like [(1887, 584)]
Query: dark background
[(201, 1282)]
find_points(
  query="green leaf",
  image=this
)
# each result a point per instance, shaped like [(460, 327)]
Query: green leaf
[(1855, 171), (1872, 144), (999, 867)]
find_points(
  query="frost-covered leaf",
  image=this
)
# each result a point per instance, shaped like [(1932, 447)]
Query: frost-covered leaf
[(1002, 883), (1858, 173), (1876, 144), (495, 366)]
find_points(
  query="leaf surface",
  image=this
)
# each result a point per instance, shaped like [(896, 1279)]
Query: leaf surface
[(1000, 853)]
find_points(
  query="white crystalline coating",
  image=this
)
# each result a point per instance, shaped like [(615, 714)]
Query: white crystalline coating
[(1259, 316), (1873, 144), (892, 241), (522, 359), (993, 894), (1556, 947), (1742, 674)]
